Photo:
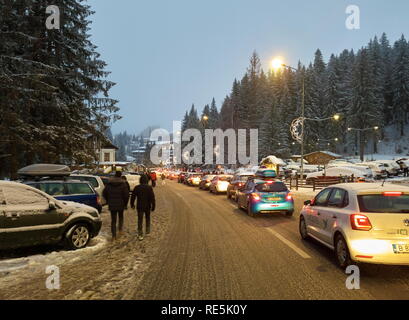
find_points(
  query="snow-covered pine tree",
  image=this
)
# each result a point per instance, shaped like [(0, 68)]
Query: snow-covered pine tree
[(400, 80), (53, 89)]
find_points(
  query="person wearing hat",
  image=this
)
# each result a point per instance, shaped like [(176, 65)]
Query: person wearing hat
[(116, 194)]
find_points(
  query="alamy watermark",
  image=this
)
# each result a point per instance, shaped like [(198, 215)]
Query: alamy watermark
[(353, 21), (53, 21), (53, 280), (239, 148), (353, 281)]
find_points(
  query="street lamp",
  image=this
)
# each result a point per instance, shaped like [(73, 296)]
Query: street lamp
[(301, 140), (276, 65), (361, 146)]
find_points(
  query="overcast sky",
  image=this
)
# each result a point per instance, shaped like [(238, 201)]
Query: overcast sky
[(165, 55)]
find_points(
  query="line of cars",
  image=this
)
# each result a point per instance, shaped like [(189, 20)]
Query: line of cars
[(360, 222), (257, 193)]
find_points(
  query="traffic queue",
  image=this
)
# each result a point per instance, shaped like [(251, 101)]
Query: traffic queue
[(360, 222), (257, 193)]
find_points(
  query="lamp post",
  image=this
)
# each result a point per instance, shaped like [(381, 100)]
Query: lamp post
[(301, 140), (361, 145), (276, 64)]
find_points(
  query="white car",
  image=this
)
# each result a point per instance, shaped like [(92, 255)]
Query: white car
[(95, 181), (378, 169), (391, 167), (344, 171), (361, 222), (133, 180)]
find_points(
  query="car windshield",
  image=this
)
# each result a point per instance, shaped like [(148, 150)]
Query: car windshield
[(244, 178), (224, 178), (271, 187), (379, 203)]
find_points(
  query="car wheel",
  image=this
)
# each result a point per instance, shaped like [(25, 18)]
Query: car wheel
[(228, 195), (303, 229), (342, 252), (249, 211), (289, 213), (79, 237)]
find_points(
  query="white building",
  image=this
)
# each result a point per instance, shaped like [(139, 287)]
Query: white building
[(106, 153)]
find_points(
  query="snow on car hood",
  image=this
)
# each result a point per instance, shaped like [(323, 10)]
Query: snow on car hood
[(78, 206)]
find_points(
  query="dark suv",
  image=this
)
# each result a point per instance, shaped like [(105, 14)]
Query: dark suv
[(30, 217), (76, 191)]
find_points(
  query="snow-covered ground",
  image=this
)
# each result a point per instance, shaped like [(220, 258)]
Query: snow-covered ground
[(48, 256)]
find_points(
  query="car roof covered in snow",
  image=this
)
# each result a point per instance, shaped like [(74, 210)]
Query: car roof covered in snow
[(36, 170)]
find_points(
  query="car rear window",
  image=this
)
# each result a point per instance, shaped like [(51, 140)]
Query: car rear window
[(224, 178), (53, 189), (379, 203), (271, 187), (79, 188)]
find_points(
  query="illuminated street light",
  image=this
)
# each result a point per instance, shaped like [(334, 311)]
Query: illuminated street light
[(361, 146), (277, 64)]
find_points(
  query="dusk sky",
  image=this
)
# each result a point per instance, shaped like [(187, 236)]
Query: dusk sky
[(166, 55)]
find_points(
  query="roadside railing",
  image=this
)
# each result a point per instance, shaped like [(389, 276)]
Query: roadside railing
[(315, 184)]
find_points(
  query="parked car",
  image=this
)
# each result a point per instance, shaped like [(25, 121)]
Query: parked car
[(205, 182), (220, 183), (237, 183), (362, 173), (71, 190), (30, 217), (391, 167), (379, 170), (361, 222), (263, 196), (95, 182)]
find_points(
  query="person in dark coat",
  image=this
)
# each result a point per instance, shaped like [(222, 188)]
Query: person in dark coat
[(145, 197), (116, 193)]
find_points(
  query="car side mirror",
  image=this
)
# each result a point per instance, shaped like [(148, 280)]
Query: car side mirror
[(52, 205), (307, 203)]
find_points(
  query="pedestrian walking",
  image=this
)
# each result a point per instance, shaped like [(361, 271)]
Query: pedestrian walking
[(153, 178), (145, 197), (117, 195), (163, 177), (405, 169)]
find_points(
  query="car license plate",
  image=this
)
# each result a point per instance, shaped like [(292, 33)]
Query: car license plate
[(274, 199), (401, 248)]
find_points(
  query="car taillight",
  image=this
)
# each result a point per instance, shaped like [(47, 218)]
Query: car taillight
[(98, 200), (289, 197), (255, 197), (360, 222), (392, 194)]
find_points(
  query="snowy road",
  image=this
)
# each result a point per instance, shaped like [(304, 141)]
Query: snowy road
[(202, 247)]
